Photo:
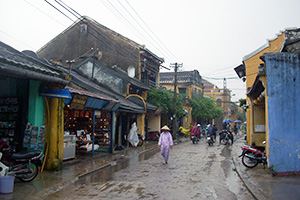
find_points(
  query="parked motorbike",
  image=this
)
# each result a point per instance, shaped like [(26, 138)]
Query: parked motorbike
[(210, 140), (141, 140), (184, 131), (253, 155), (24, 166), (153, 135)]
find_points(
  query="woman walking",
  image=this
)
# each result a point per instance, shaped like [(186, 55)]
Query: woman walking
[(165, 142)]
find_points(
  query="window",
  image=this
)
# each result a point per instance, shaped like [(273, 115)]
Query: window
[(259, 119), (182, 92), (83, 28), (219, 102)]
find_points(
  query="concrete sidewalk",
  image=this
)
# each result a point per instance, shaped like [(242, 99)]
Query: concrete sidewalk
[(260, 182)]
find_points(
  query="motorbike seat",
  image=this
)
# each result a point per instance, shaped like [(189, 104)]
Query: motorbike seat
[(25, 155), (259, 148)]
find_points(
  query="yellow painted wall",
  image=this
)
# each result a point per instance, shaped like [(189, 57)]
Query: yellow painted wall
[(226, 104), (154, 122), (140, 123), (251, 64), (251, 67)]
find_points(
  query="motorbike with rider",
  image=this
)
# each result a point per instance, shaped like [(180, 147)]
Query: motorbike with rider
[(195, 134)]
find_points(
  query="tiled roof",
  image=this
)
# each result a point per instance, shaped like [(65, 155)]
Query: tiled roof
[(189, 77), (18, 64)]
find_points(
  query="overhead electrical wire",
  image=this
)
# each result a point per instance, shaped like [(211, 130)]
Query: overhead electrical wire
[(45, 13), (221, 78), (59, 10), (131, 24), (109, 7), (16, 39), (80, 17), (152, 32), (166, 50)]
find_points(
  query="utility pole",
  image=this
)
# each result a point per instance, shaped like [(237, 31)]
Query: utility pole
[(176, 65)]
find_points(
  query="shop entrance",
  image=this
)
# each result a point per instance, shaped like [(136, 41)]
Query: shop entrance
[(79, 123)]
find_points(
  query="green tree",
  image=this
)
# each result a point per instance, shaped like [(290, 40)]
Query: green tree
[(165, 99), (205, 108), (242, 102)]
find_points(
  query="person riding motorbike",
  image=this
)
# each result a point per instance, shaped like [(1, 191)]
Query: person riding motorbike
[(195, 131), (214, 132), (210, 131)]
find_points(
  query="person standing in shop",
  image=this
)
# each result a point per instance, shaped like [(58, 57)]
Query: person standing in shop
[(165, 143)]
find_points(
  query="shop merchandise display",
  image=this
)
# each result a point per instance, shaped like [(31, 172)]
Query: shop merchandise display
[(80, 124), (9, 118), (34, 137)]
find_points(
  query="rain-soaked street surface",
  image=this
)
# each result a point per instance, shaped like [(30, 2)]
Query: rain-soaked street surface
[(194, 171)]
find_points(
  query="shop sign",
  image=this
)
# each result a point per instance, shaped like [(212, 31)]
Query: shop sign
[(78, 102)]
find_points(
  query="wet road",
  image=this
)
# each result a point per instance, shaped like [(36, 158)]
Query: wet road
[(194, 172)]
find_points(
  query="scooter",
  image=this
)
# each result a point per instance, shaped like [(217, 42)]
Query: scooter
[(195, 139), (24, 166), (210, 140), (141, 140), (253, 155), (184, 131)]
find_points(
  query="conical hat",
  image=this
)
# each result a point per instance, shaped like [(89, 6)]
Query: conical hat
[(165, 127)]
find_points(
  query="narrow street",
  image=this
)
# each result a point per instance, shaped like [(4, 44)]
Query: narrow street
[(195, 171)]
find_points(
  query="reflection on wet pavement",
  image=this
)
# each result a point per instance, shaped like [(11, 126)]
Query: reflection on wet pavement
[(193, 172)]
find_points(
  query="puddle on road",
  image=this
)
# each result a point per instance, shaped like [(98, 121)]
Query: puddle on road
[(226, 164), (226, 152), (232, 179), (101, 176)]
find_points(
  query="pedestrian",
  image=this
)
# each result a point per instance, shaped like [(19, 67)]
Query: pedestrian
[(224, 125), (235, 128), (133, 136), (165, 143)]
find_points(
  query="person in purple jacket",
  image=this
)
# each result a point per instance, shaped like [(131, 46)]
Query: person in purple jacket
[(165, 142)]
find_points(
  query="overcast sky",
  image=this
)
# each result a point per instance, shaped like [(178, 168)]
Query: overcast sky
[(211, 36)]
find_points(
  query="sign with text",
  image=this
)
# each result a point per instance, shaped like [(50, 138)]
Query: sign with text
[(78, 102)]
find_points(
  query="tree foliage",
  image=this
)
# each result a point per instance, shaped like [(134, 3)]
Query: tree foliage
[(205, 108), (165, 99), (242, 102)]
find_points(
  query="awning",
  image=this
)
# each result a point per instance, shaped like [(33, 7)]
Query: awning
[(111, 106), (95, 103), (240, 71), (256, 89), (56, 93), (90, 94), (91, 100)]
